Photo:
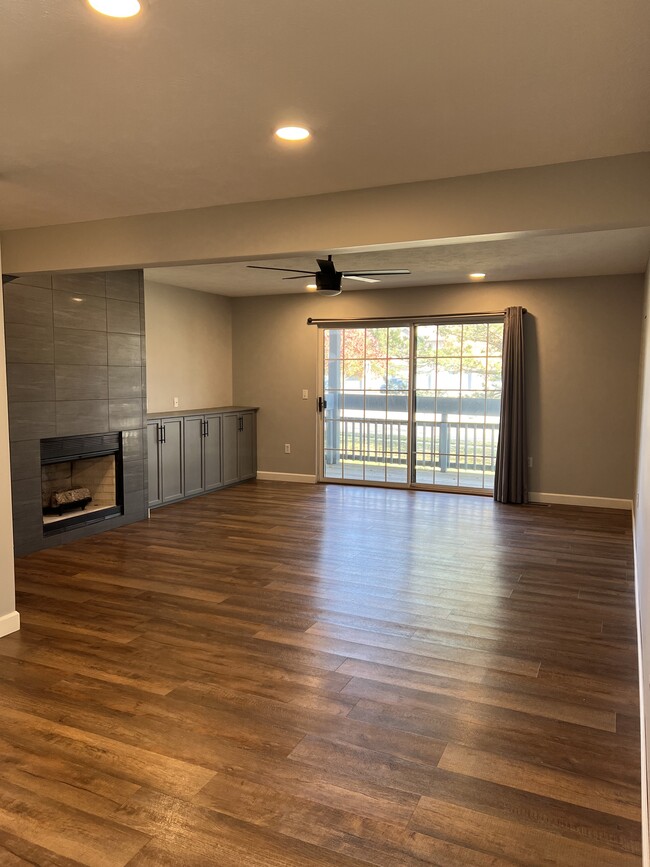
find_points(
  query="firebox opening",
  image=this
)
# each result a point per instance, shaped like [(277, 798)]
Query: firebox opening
[(77, 489)]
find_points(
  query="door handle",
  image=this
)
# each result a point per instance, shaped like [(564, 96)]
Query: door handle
[(322, 404)]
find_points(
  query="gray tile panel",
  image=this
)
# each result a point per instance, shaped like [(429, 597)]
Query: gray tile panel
[(123, 285), (81, 417), (29, 344), (133, 477), (44, 280), (74, 310), (72, 346), (25, 458), (81, 284), (125, 414), (124, 382), (135, 506), (29, 420), (28, 305), (123, 316), (133, 443), (30, 382), (81, 382), (124, 350)]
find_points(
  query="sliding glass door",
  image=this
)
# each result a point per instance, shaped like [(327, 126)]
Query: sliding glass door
[(366, 416), (412, 404), (457, 402)]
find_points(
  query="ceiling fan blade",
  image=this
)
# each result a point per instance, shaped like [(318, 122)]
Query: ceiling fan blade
[(302, 276), (360, 279), (385, 273), (269, 268), (326, 265)]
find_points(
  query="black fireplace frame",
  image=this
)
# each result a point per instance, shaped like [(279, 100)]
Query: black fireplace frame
[(57, 450)]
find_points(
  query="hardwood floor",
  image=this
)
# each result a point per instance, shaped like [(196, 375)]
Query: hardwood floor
[(282, 675)]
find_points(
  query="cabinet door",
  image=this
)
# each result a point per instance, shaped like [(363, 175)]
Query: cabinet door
[(230, 435), (212, 477), (153, 462), (246, 456), (192, 455), (172, 459)]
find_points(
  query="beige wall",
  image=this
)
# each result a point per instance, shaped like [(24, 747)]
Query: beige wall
[(642, 554), (9, 620), (189, 348), (577, 196), (583, 338)]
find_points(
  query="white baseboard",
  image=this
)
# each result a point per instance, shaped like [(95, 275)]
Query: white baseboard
[(9, 623), (302, 478), (577, 500)]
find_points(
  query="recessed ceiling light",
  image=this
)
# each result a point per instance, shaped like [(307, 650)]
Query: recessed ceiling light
[(117, 8), (292, 133), (477, 275)]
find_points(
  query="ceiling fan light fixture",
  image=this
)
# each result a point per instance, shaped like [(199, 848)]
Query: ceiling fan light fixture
[(116, 8), (311, 286), (292, 133), (477, 275)]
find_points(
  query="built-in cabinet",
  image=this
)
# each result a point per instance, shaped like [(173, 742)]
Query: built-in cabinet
[(202, 447), (239, 459), (199, 452), (165, 445)]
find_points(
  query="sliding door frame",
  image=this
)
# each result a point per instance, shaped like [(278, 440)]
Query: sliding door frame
[(412, 323)]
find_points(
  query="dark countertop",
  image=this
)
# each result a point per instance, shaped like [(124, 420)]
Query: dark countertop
[(178, 412)]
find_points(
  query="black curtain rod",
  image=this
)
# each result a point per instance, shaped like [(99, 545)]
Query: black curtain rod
[(311, 321)]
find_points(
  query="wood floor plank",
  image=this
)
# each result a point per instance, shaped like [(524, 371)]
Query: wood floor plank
[(66, 831), (587, 792), (510, 839)]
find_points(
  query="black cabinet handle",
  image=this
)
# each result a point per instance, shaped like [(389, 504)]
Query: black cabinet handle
[(164, 436), (207, 428), (241, 422), (160, 433)]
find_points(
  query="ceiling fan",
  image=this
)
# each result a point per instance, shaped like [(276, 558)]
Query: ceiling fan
[(328, 279)]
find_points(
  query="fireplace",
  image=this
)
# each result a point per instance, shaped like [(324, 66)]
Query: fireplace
[(81, 481)]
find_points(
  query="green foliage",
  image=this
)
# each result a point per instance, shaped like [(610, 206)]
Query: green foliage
[(382, 353)]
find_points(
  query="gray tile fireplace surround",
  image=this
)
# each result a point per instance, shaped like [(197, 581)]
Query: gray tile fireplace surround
[(75, 365)]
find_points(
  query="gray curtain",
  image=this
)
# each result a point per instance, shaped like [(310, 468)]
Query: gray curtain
[(510, 480)]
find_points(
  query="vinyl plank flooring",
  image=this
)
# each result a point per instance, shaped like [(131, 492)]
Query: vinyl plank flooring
[(292, 675)]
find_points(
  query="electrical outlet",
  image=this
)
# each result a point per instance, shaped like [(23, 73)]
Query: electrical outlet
[(287, 448), (305, 394), (530, 463), (175, 401)]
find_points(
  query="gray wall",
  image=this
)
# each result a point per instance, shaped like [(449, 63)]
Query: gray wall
[(583, 338), (75, 365)]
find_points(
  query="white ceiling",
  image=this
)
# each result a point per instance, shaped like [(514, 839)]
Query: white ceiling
[(618, 251), (176, 110)]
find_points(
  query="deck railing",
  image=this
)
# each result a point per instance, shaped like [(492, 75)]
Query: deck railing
[(443, 444)]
